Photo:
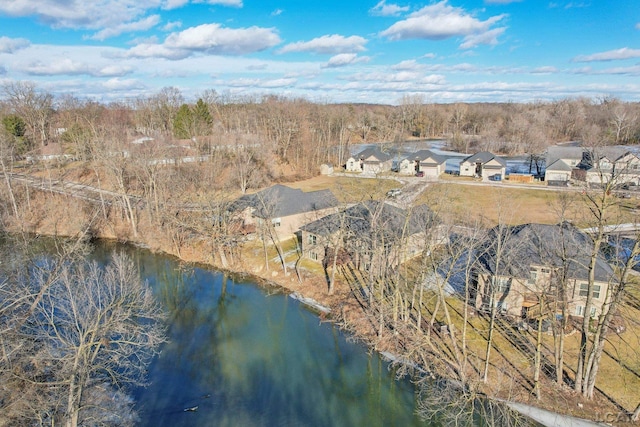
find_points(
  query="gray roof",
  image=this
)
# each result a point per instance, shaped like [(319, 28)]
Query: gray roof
[(541, 245), (281, 201), (484, 157), (375, 152), (555, 153), (559, 165), (361, 219), (425, 154)]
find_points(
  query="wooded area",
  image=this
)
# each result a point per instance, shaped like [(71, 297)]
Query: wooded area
[(171, 170)]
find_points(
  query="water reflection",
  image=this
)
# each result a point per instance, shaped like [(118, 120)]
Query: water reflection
[(246, 359)]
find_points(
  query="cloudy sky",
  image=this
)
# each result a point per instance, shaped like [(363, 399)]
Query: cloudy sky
[(326, 51)]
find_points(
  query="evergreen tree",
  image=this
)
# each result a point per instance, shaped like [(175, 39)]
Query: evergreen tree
[(183, 123), (202, 118)]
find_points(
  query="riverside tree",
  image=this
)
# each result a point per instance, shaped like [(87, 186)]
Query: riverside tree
[(90, 337)]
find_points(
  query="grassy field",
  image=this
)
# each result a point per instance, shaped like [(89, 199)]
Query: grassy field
[(488, 203)]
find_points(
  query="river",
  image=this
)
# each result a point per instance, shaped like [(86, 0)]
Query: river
[(242, 355)]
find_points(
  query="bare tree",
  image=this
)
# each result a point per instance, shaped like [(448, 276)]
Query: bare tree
[(34, 106), (94, 331)]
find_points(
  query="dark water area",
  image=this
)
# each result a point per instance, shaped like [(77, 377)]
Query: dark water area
[(241, 355)]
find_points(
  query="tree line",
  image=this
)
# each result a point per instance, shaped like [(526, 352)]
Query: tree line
[(304, 134)]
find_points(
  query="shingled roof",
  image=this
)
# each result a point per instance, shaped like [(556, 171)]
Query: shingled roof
[(484, 157), (540, 245), (426, 154), (362, 218), (375, 152), (281, 201)]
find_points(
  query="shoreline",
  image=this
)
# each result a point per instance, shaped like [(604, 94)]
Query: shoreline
[(310, 291)]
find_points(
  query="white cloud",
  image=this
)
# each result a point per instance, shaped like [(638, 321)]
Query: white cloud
[(169, 26), (330, 44), (344, 59), (633, 70), (410, 64), (611, 55), (544, 70), (260, 83), (174, 4), (488, 37), (402, 76), (9, 45), (215, 39), (95, 14), (440, 21), (151, 50), (257, 67), (141, 25), (80, 13), (501, 1), (384, 9), (123, 85), (277, 12), (70, 67)]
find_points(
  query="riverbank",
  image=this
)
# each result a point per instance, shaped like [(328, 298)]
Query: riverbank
[(65, 216)]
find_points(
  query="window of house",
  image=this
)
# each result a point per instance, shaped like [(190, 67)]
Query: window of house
[(533, 275), (584, 289), (500, 285), (593, 312), (276, 222), (313, 255), (545, 270), (579, 310), (311, 239)]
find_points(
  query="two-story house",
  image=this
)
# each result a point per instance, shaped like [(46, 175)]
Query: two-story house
[(527, 269), (372, 234)]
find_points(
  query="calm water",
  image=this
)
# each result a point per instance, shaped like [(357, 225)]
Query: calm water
[(245, 356)]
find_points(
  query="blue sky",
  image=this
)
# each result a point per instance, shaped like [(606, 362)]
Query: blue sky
[(326, 51)]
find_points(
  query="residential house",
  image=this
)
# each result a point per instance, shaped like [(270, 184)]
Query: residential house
[(558, 173), (522, 272), (371, 160), (484, 165), (611, 163), (562, 164), (285, 208), (432, 165), (372, 234)]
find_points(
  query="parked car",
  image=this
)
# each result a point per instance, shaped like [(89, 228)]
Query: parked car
[(394, 193), (496, 177), (420, 174)]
